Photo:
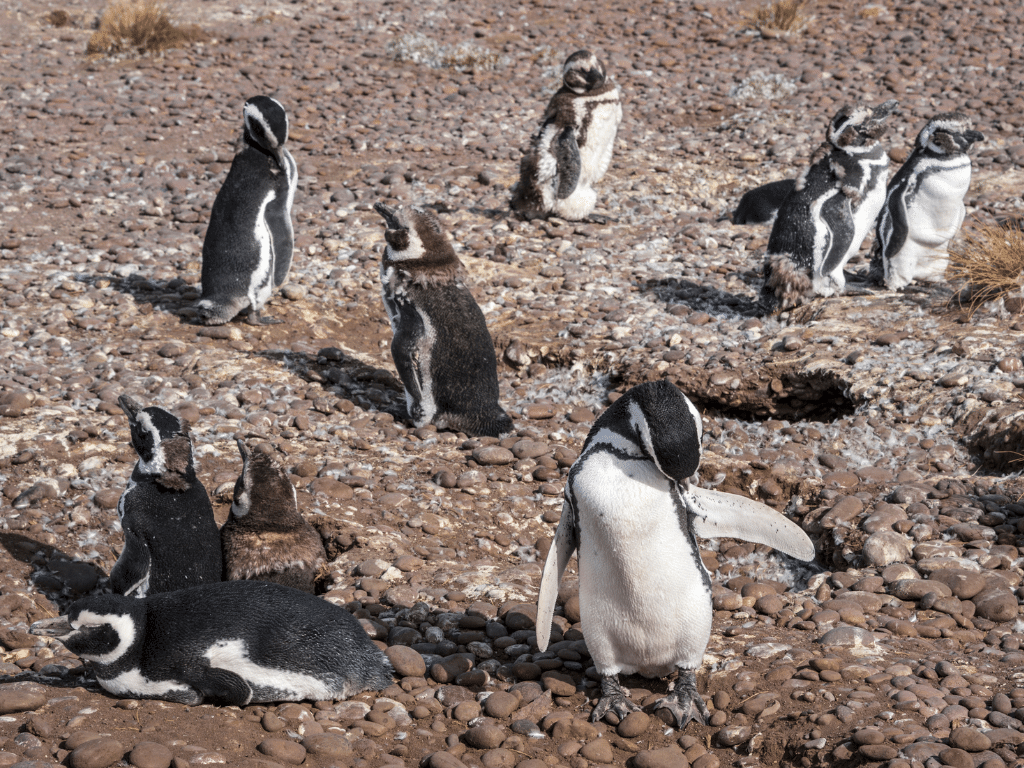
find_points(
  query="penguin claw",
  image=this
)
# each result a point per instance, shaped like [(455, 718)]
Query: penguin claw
[(684, 702), (614, 698)]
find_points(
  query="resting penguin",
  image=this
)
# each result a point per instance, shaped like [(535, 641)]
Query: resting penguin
[(441, 346), (633, 515), (572, 149), (233, 643), (265, 537), (760, 204), (924, 204), (170, 537), (830, 211), (248, 247)]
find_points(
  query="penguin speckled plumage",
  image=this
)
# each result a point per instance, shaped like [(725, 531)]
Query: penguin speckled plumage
[(441, 346), (924, 204), (632, 513), (760, 204), (248, 247), (170, 536), (233, 643), (265, 537), (830, 211), (572, 149)]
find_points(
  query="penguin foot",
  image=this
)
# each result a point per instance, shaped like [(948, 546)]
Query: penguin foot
[(614, 698), (255, 317), (684, 702), (597, 218)]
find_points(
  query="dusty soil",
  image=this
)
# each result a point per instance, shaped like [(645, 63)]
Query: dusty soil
[(887, 425)]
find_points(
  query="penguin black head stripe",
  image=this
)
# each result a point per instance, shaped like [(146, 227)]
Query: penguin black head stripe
[(265, 122), (858, 126), (418, 244), (948, 134), (582, 72), (161, 440)]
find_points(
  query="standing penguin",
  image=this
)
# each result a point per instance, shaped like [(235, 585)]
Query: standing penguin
[(633, 515), (248, 247), (170, 536), (572, 149), (233, 643), (265, 537), (924, 204), (441, 346), (830, 211)]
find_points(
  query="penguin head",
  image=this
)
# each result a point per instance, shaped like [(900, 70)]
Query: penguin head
[(663, 425), (582, 72), (265, 123), (162, 442), (416, 242), (101, 629), (262, 488), (950, 133), (857, 129)]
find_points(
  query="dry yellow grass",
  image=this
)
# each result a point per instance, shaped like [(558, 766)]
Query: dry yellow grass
[(140, 26), (780, 18), (989, 260)]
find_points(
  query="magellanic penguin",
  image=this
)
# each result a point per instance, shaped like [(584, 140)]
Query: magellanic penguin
[(633, 515), (265, 537), (924, 204), (233, 643), (170, 537), (248, 247), (760, 204), (572, 149), (830, 211), (441, 346)]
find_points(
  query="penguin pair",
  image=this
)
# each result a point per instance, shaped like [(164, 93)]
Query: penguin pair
[(572, 149), (833, 205), (441, 347), (233, 643), (924, 204), (247, 252), (633, 515)]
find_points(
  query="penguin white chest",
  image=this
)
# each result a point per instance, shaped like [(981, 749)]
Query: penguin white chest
[(644, 601), (936, 210), (596, 151)]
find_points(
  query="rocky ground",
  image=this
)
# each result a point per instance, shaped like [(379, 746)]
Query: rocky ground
[(887, 425)]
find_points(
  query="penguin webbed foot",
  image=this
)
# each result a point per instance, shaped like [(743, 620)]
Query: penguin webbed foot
[(597, 218), (614, 698), (256, 317), (684, 702)]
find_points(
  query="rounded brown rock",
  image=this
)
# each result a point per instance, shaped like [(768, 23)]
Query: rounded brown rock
[(97, 753), (969, 740), (501, 704), (283, 751), (150, 754), (665, 757), (406, 661), (17, 700), (598, 751), (327, 746), (559, 683), (485, 736), (633, 725)]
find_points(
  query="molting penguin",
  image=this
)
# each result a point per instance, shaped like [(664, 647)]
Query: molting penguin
[(441, 346), (170, 536), (924, 204), (760, 204), (248, 247), (265, 537), (632, 513), (830, 211), (572, 149), (234, 643)]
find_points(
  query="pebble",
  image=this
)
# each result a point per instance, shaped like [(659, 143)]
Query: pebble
[(96, 753), (283, 751), (150, 754)]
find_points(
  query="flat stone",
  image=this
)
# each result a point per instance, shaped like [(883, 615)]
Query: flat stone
[(150, 754), (598, 751), (98, 753), (853, 637), (501, 704), (486, 736), (283, 750), (328, 746), (969, 740), (886, 547), (493, 455), (996, 604), (633, 725), (20, 700), (666, 757), (406, 661), (559, 683)]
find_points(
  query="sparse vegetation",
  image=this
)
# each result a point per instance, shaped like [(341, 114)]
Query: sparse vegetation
[(140, 26), (781, 18), (989, 260), (465, 56), (59, 18)]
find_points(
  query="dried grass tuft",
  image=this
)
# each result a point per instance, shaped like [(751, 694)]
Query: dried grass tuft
[(989, 260), (58, 18), (140, 26), (781, 18)]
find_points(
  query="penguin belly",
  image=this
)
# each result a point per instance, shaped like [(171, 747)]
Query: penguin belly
[(595, 158), (934, 217), (645, 601)]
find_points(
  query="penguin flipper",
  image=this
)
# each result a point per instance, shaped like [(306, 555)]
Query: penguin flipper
[(717, 514), (567, 153), (565, 543), (224, 687), (130, 574), (840, 235)]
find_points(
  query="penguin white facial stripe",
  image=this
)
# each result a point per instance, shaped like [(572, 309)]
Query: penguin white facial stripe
[(414, 251), (156, 465), (233, 655), (134, 684), (697, 420), (121, 501), (616, 441), (252, 114), (639, 422), (261, 281), (120, 623)]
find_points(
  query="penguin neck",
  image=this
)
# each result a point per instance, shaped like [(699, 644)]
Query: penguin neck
[(248, 141)]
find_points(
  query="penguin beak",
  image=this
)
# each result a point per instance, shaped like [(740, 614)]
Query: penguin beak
[(882, 111), (243, 449), (973, 136), (390, 216), (130, 407), (58, 627)]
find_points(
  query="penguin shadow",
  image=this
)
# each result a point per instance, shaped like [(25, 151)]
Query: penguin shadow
[(704, 298), (175, 296), (61, 578)]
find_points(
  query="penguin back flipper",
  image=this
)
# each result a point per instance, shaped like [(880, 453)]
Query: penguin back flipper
[(132, 567), (565, 543), (717, 514), (840, 235), (222, 686), (567, 153), (759, 205)]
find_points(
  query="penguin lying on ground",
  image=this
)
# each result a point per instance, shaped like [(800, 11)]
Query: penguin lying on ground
[(572, 149), (760, 204), (830, 211), (248, 247), (265, 537), (441, 346), (633, 515), (170, 535), (234, 643), (924, 204)]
